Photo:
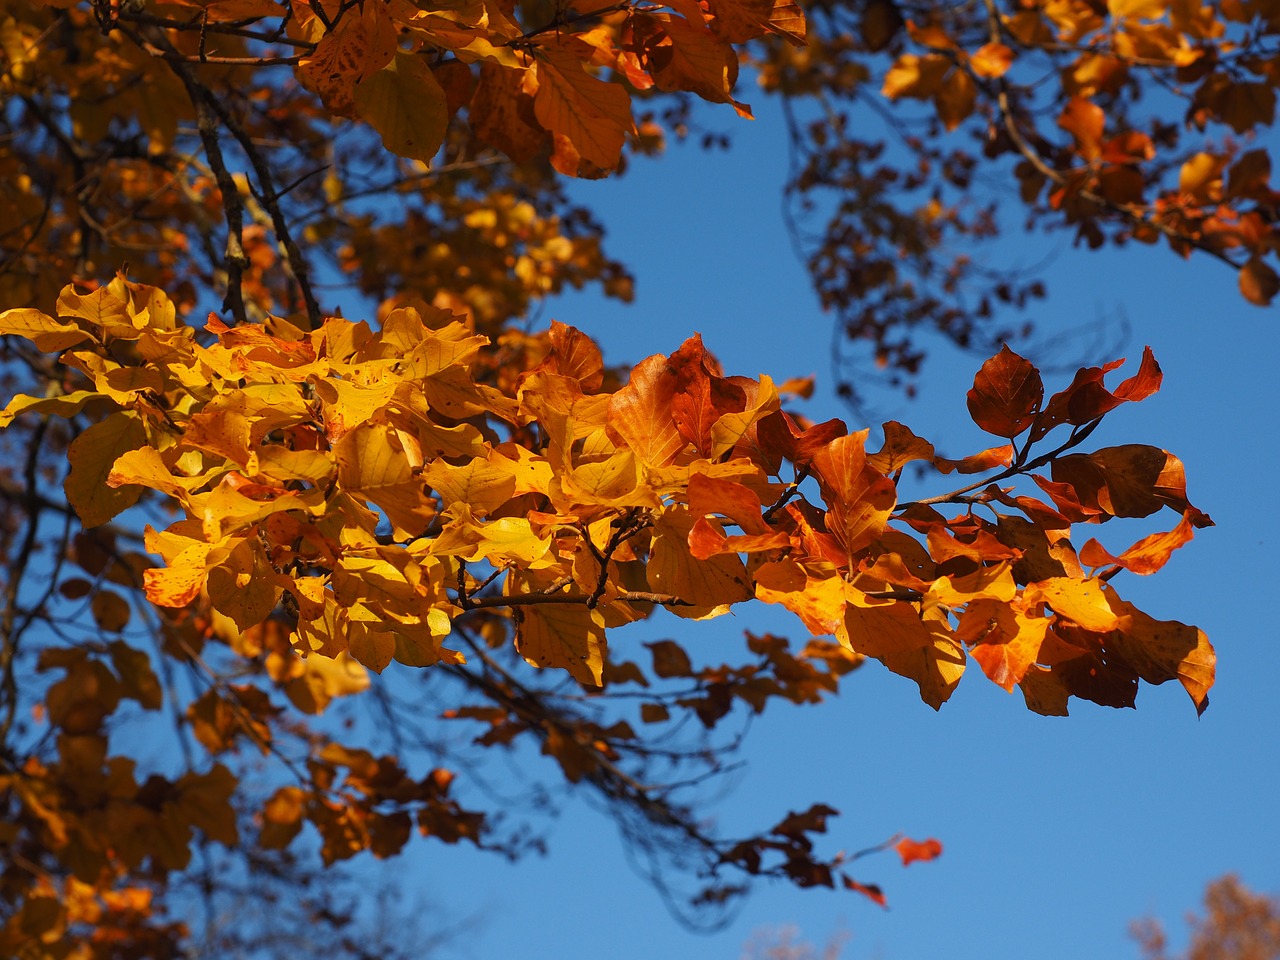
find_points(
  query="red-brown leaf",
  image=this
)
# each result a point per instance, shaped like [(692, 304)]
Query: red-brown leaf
[(1006, 394)]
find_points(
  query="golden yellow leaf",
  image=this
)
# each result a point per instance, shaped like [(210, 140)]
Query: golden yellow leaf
[(326, 634), (510, 538), (92, 456), (66, 405), (985, 583), (818, 601), (568, 636), (992, 60), (48, 334), (323, 680), (372, 465), (403, 102), (916, 77), (1140, 9), (1201, 177), (478, 484), (1080, 601), (710, 585), (244, 586), (282, 817)]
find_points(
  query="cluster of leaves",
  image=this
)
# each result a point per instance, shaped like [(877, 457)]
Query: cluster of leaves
[(131, 132), (1237, 924), (445, 490), (1121, 121), (348, 497), (370, 482)]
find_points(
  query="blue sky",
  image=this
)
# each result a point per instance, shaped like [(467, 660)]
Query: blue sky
[(1057, 832)]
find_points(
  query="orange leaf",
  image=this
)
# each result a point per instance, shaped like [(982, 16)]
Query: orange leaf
[(1160, 650), (912, 850), (711, 495), (502, 116), (1133, 480), (593, 115), (978, 462), (1259, 284), (868, 890), (859, 498), (1085, 122), (955, 98), (684, 55), (992, 60), (741, 20), (922, 650), (915, 77), (1087, 398), (1147, 555), (701, 397), (900, 447), (640, 414), (1003, 641)]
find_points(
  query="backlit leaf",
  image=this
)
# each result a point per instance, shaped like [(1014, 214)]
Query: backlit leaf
[(92, 455), (1006, 394), (404, 103)]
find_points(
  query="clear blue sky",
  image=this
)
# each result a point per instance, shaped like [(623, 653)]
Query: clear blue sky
[(1057, 832)]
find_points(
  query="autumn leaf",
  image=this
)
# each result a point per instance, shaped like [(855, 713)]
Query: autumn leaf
[(859, 498), (1006, 394), (349, 496), (92, 456), (895, 634), (640, 415), (919, 78), (47, 334), (569, 637), (912, 850), (1085, 122), (869, 890), (955, 98), (594, 116), (403, 102), (900, 447), (992, 60), (1258, 282)]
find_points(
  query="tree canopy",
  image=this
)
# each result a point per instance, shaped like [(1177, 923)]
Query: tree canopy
[(238, 532)]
